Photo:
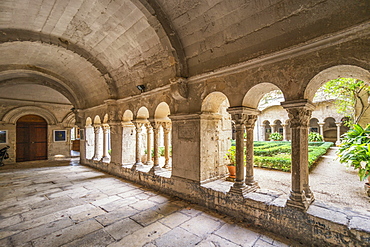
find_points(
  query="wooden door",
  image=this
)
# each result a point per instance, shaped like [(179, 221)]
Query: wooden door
[(31, 138)]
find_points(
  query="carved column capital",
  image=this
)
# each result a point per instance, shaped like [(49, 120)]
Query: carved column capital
[(299, 112), (166, 127), (242, 114), (250, 121)]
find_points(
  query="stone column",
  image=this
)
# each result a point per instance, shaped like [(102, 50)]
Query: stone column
[(252, 185), (167, 129), (273, 128), (149, 130), (299, 112), (338, 124), (138, 163), (106, 156), (97, 129), (116, 130), (240, 116), (321, 124), (284, 132), (263, 132), (156, 127)]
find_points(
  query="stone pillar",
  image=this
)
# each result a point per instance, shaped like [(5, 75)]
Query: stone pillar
[(149, 130), (97, 130), (82, 145), (106, 156), (338, 124), (156, 127), (273, 128), (284, 132), (116, 130), (321, 124), (299, 112), (167, 129), (249, 178), (263, 132), (138, 163), (240, 117)]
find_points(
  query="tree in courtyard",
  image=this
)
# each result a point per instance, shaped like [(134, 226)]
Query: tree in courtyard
[(351, 97)]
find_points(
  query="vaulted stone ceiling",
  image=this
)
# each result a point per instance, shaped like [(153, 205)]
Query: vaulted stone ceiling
[(93, 50)]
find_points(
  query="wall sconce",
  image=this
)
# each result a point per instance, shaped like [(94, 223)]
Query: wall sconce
[(141, 88)]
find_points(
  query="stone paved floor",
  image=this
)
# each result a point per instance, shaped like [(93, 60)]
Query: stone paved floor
[(62, 204)]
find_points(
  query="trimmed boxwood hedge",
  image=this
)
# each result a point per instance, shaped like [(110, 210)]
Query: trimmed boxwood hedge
[(316, 150)]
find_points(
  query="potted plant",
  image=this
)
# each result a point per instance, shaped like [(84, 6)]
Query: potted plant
[(231, 163), (315, 137), (276, 136), (355, 151)]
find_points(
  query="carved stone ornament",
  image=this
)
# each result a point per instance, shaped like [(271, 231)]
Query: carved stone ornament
[(299, 117), (179, 88)]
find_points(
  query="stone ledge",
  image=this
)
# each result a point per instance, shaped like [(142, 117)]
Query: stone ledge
[(322, 225)]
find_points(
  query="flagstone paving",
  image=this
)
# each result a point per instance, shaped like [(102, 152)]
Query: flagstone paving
[(57, 203)]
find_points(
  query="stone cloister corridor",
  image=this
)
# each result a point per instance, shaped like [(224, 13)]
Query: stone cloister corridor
[(55, 203), (153, 91)]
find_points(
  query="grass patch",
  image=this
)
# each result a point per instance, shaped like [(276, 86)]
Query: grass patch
[(276, 155)]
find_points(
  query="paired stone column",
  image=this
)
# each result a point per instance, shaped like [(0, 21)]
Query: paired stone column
[(106, 156), (273, 128), (149, 131), (156, 127), (321, 124), (97, 130), (263, 132), (299, 112), (285, 132), (241, 119), (166, 130), (338, 124), (252, 185), (138, 163)]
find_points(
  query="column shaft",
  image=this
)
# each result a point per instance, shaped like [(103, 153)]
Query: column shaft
[(249, 178), (97, 129)]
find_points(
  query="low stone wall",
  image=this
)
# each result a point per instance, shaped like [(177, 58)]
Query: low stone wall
[(321, 225)]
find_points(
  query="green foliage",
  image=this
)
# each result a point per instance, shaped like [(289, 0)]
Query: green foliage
[(277, 155), (355, 149), (347, 92), (276, 136), (230, 155), (315, 137)]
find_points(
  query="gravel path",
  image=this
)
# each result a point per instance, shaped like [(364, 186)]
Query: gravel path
[(331, 182)]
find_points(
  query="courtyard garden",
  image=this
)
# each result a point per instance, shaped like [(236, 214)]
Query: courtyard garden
[(277, 154)]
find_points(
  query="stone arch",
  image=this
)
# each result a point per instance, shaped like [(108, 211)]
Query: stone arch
[(69, 120), (88, 121), (97, 120), (128, 116), (255, 94), (339, 71), (215, 135), (212, 102), (22, 75), (13, 115), (314, 125), (162, 111), (129, 139), (142, 113), (105, 119)]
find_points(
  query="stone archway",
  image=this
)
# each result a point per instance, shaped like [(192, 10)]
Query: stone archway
[(216, 132)]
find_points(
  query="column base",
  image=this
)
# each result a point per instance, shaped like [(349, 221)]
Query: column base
[(155, 168), (149, 163), (105, 159), (252, 186), (167, 166), (136, 166), (299, 200), (238, 189)]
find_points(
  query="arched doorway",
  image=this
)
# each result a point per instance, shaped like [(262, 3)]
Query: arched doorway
[(31, 138)]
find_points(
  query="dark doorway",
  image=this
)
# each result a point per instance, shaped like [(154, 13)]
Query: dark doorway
[(31, 138)]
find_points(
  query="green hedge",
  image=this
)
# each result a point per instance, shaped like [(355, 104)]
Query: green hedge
[(284, 164)]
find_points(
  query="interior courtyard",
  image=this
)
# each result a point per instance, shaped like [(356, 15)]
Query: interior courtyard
[(150, 94)]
